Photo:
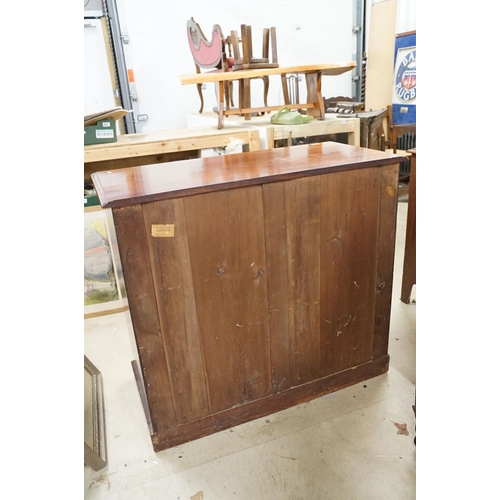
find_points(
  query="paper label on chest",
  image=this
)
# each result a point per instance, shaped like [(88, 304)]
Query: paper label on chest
[(162, 230)]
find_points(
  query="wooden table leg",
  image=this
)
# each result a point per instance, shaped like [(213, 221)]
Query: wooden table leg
[(266, 89), (313, 85), (286, 95), (353, 137), (220, 122), (246, 97), (319, 102), (409, 263), (270, 138)]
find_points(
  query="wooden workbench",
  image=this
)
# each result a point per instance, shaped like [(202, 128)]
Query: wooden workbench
[(163, 146), (255, 281), (328, 126), (313, 74), (269, 132)]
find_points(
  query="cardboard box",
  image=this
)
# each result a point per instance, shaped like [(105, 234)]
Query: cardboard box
[(100, 127)]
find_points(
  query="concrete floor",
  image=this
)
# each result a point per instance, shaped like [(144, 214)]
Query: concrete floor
[(343, 446)]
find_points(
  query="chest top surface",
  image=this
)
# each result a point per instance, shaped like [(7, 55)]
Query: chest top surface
[(132, 185)]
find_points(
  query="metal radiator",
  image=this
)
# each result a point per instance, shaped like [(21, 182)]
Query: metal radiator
[(405, 142)]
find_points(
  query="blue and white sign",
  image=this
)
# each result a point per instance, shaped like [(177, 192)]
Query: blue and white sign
[(404, 92)]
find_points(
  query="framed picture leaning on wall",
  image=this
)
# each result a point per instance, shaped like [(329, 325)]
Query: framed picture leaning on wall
[(95, 448), (104, 287), (404, 90)]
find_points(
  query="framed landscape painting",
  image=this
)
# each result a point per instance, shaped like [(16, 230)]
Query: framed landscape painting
[(104, 288)]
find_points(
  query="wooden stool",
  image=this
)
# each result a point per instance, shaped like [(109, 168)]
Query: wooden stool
[(245, 59)]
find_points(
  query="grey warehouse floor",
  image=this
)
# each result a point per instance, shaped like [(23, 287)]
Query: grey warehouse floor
[(348, 445)]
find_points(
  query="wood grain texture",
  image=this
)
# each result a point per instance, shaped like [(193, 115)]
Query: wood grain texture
[(303, 206), (327, 69), (171, 270), (226, 241), (410, 255), (314, 95), (271, 287), (147, 183), (270, 404), (90, 168), (349, 228), (164, 142), (133, 150), (278, 283), (131, 237), (385, 257)]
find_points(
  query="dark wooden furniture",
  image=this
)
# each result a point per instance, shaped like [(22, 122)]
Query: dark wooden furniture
[(256, 281), (401, 138), (209, 55), (221, 54), (342, 105), (245, 59), (410, 255), (372, 133)]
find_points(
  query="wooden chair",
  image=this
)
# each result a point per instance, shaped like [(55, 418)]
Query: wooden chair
[(209, 54), (373, 135), (400, 139), (244, 59), (221, 54)]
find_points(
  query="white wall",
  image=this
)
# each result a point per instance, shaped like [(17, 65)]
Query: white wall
[(316, 31)]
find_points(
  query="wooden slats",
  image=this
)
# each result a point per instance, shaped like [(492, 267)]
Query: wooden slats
[(303, 222), (177, 309), (385, 257), (226, 241), (349, 220), (254, 297), (131, 236), (322, 280), (278, 279)]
